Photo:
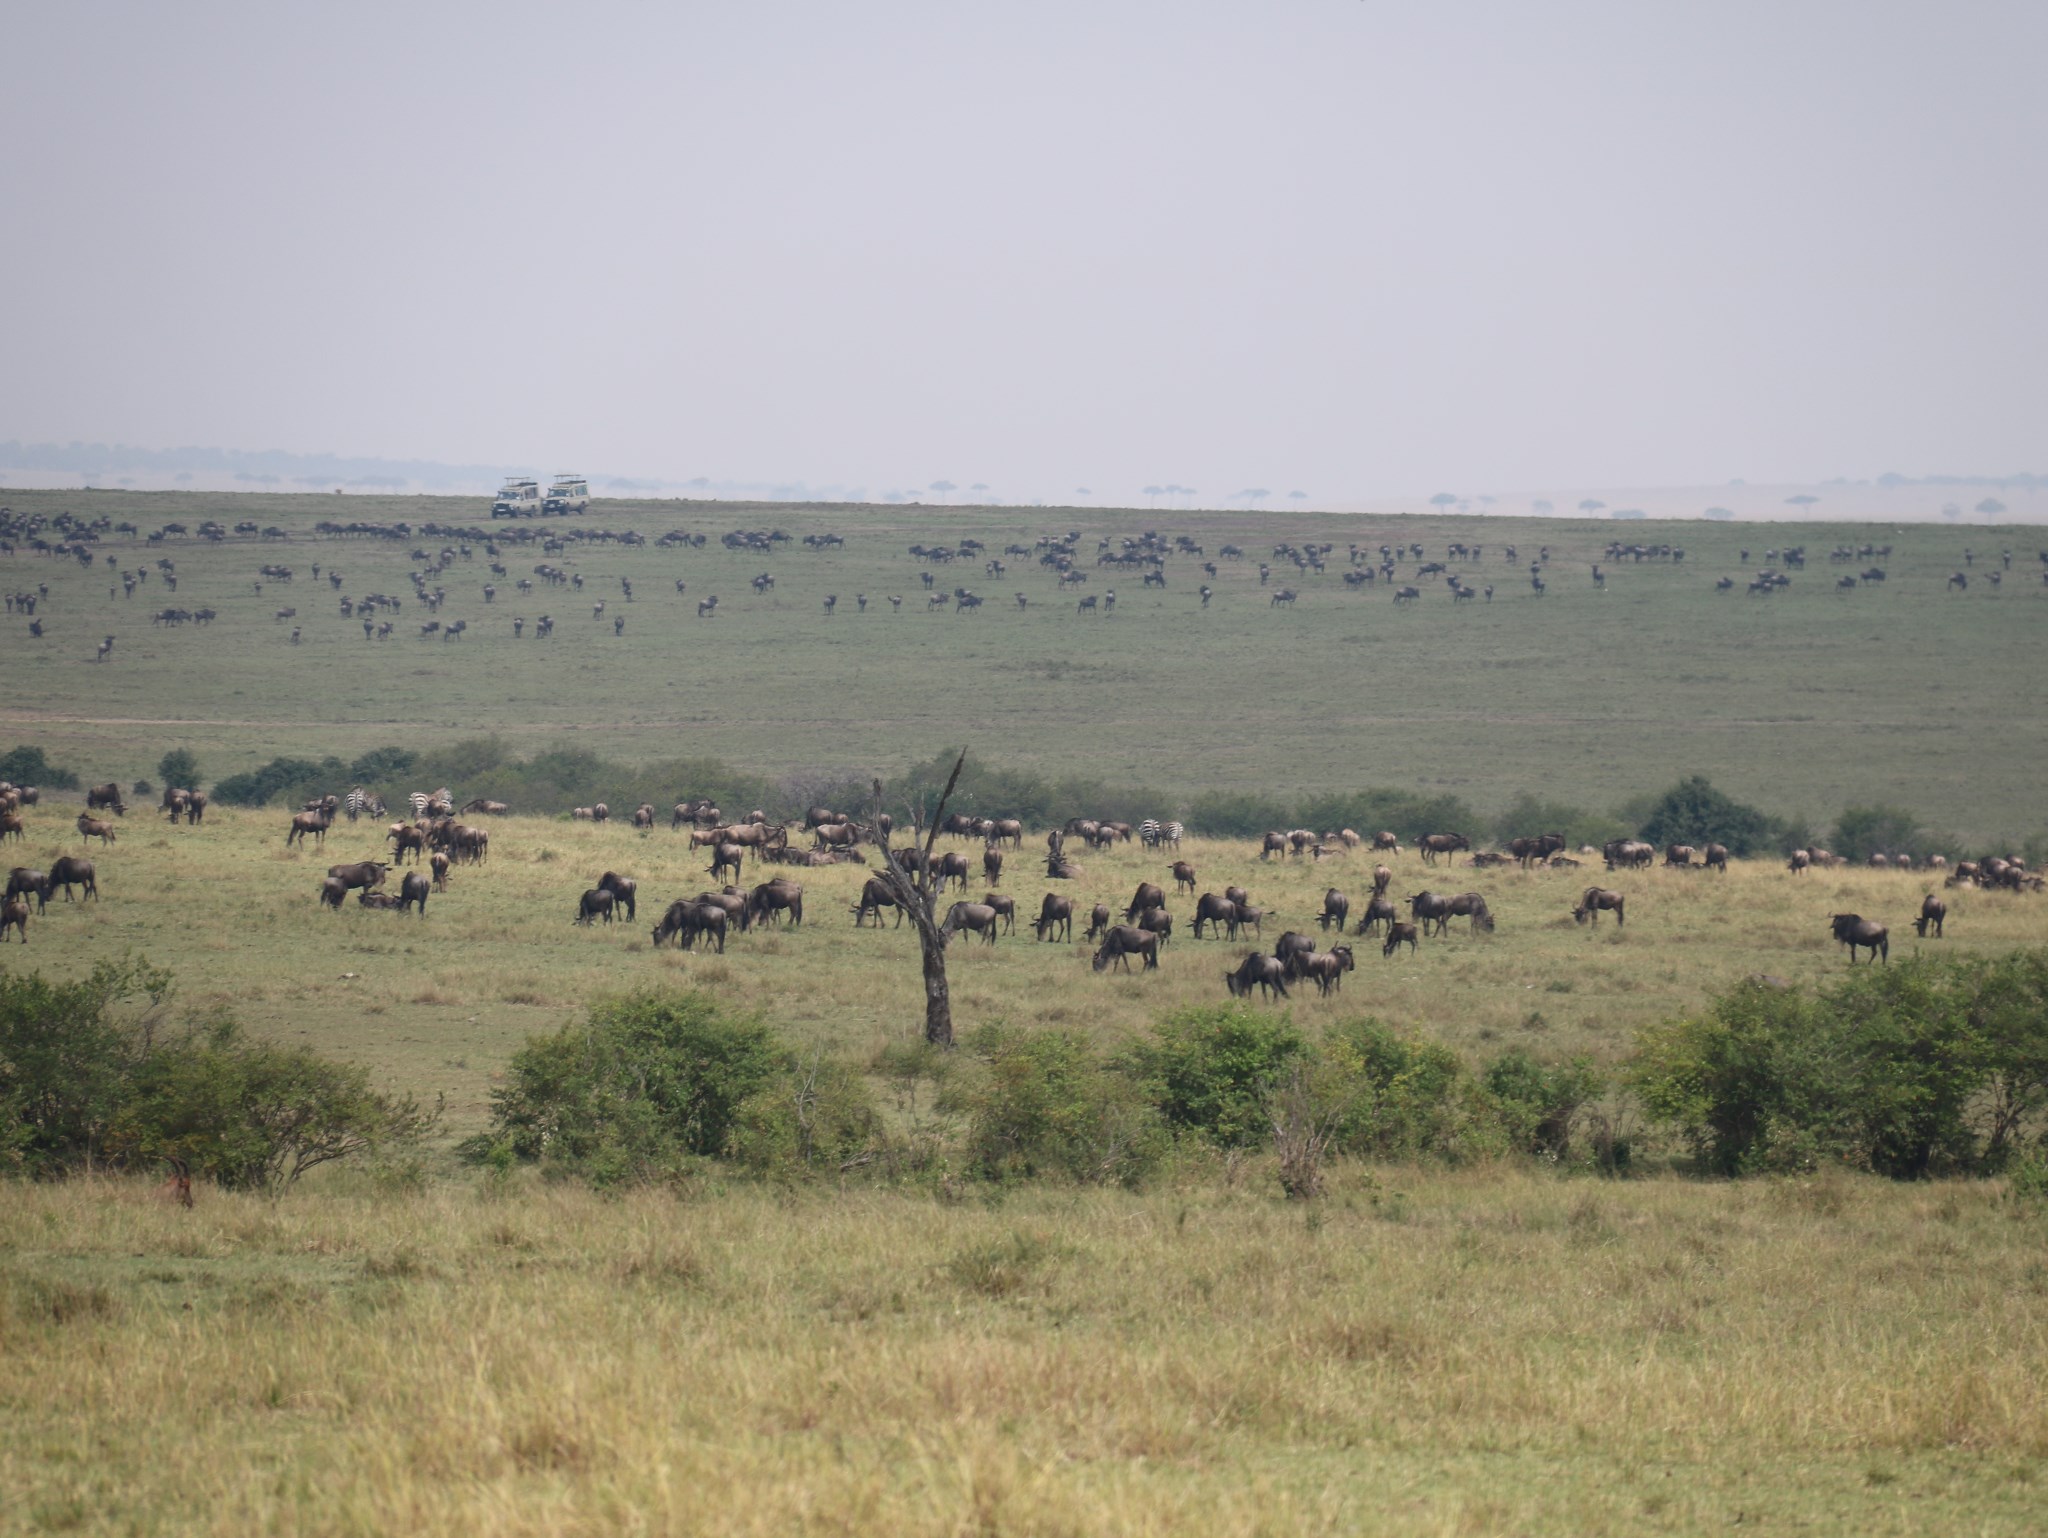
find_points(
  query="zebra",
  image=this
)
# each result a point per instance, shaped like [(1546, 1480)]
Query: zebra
[(1152, 833), (356, 802), (440, 804)]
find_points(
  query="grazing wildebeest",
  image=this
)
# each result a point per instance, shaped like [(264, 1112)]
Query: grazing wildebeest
[(14, 915), (950, 867), (11, 826), (381, 900), (593, 905), (1430, 909), (978, 917), (992, 864), (363, 873), (1098, 921), (1121, 942), (414, 889), (1399, 934), (1257, 971), (1379, 910), (95, 827), (438, 863), (1680, 855), (1148, 895), (1716, 858), (1599, 899), (68, 870), (728, 857), (772, 899), (1055, 913), (1628, 853), (1854, 931), (1219, 911), (1006, 910), (1472, 906), (106, 797), (1932, 911), (332, 891), (686, 921), (1385, 840), (1327, 968), (1800, 861), (643, 815), (624, 890), (874, 897), (404, 836), (1272, 844), (1183, 876), (1336, 910), (1434, 844)]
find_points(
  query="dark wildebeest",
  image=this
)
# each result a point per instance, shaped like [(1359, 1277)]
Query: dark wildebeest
[(685, 921), (1251, 918), (23, 880), (1434, 844), (1629, 854), (643, 815), (1470, 905), (363, 873), (978, 917), (874, 897), (1157, 921), (106, 797), (1399, 934), (1680, 855), (730, 858), (772, 899), (1257, 971), (992, 865), (414, 889), (1183, 876), (404, 836), (1327, 968), (1220, 911), (1148, 895), (1385, 840), (1055, 913), (304, 823), (1381, 875), (1121, 942), (68, 870), (1272, 844), (1599, 899), (1432, 910), (332, 892), (1800, 862), (382, 900), (1098, 922), (1932, 911), (1379, 911), (950, 867), (11, 826), (438, 862), (14, 915), (1006, 910), (624, 890), (593, 905), (1237, 894), (95, 827), (1855, 931), (1336, 910), (1716, 858), (1290, 946)]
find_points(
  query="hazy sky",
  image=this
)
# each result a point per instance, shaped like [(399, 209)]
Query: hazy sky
[(1351, 246)]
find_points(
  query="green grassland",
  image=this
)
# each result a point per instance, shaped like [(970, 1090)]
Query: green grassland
[(1802, 703)]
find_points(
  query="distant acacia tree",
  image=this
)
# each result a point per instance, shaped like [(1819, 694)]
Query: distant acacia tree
[(1297, 496), (1443, 500), (943, 488), (1991, 507), (1591, 505), (1153, 494), (918, 897), (1801, 499)]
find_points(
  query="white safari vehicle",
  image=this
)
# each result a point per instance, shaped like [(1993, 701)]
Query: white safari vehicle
[(517, 499), (567, 494)]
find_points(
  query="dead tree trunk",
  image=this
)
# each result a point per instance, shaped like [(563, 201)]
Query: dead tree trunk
[(918, 898)]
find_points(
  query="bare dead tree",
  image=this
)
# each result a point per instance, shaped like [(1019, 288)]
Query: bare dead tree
[(917, 896)]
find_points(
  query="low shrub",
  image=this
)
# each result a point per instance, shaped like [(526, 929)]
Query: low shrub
[(1048, 1103), (1210, 1070), (28, 766)]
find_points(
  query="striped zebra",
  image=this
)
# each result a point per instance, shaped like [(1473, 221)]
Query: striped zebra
[(440, 804), (357, 802), (1152, 833)]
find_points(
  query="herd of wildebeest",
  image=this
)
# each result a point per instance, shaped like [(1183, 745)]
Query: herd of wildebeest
[(437, 838), (436, 548)]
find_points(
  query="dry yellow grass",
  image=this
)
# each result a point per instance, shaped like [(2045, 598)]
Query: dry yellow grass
[(439, 1005), (1428, 1353)]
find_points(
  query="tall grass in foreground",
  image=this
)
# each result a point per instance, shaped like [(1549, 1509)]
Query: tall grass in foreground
[(1423, 1352)]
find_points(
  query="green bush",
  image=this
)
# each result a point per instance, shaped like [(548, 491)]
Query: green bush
[(27, 766), (651, 1081), (254, 1116), (813, 1116), (1396, 1096), (178, 769), (1540, 1106), (1210, 1070), (1923, 1068), (1693, 812), (66, 1057), (291, 780), (1047, 1103), (1862, 831)]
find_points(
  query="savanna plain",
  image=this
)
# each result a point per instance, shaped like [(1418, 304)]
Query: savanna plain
[(1507, 1343)]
